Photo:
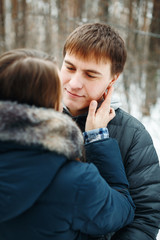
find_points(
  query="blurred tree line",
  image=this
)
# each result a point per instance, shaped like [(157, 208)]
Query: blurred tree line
[(45, 24)]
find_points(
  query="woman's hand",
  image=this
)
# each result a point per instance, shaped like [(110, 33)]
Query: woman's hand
[(101, 117)]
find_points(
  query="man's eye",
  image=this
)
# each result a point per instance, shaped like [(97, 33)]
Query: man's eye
[(70, 68), (91, 76)]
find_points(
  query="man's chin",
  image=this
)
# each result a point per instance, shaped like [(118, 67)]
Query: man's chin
[(76, 111)]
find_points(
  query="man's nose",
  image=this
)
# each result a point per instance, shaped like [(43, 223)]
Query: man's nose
[(76, 81)]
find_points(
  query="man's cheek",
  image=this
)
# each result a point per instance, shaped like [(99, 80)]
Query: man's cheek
[(63, 78), (99, 96)]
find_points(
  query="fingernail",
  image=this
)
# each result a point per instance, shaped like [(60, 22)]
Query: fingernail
[(93, 103)]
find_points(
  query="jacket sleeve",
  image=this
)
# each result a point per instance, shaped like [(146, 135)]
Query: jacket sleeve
[(104, 209), (143, 173)]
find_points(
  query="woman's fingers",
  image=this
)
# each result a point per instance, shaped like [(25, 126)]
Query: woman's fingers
[(112, 114), (90, 122), (107, 100), (101, 117), (92, 108)]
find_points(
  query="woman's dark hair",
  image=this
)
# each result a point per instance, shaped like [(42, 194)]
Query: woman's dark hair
[(31, 77)]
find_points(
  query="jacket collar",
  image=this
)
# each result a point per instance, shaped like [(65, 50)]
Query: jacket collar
[(30, 125), (115, 104)]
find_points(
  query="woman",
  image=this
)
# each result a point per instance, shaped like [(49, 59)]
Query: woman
[(47, 191)]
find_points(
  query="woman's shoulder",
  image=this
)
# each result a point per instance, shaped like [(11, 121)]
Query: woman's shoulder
[(75, 175)]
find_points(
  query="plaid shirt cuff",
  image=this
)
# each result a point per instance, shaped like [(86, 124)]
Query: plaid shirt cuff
[(95, 135)]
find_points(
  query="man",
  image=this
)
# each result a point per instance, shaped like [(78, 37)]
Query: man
[(94, 57)]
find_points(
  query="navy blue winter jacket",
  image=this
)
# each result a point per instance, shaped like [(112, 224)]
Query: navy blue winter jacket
[(45, 191)]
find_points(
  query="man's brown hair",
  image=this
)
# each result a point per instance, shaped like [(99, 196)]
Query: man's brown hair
[(97, 41), (31, 77)]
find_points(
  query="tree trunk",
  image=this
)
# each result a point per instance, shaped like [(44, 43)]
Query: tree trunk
[(19, 21), (153, 59), (103, 12), (2, 26)]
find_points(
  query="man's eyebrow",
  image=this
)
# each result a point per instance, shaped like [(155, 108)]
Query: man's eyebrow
[(68, 62)]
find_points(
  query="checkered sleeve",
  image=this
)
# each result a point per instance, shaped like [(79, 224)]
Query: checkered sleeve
[(95, 134)]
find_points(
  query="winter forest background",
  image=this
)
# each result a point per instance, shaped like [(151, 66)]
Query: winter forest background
[(45, 24)]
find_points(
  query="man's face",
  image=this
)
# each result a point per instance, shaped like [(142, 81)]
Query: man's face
[(83, 81)]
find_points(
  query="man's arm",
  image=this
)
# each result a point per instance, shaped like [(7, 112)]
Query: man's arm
[(143, 173)]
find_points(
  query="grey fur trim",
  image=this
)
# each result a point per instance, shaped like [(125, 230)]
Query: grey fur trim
[(32, 125)]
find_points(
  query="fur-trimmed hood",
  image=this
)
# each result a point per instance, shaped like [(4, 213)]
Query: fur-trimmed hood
[(30, 125)]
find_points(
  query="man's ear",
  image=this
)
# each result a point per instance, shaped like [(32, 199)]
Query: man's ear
[(114, 79)]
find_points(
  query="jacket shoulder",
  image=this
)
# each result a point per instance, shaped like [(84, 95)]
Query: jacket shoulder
[(128, 129), (133, 138), (122, 117)]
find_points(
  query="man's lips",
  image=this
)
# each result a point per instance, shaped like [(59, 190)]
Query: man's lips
[(72, 94)]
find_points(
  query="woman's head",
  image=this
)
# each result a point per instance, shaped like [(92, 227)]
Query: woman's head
[(30, 77)]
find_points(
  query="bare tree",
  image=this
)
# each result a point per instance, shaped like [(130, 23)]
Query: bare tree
[(19, 22), (103, 12), (48, 28), (61, 25), (153, 59), (69, 16), (2, 26), (74, 13), (144, 27)]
